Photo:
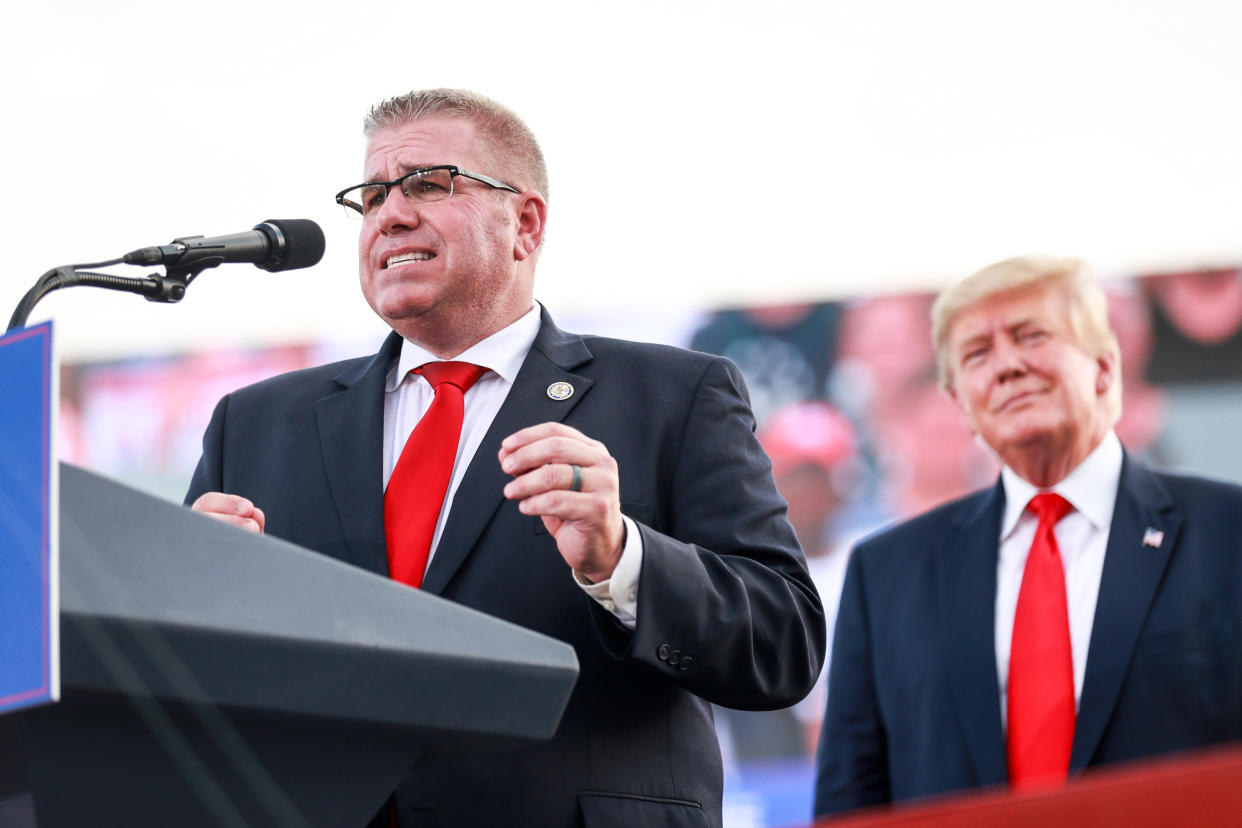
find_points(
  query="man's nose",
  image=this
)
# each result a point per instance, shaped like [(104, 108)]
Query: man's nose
[(397, 212), (1008, 360)]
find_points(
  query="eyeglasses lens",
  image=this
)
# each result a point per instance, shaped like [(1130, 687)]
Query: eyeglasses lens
[(423, 186)]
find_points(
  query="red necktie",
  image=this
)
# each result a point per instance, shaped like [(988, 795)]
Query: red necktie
[(416, 490), (1041, 663)]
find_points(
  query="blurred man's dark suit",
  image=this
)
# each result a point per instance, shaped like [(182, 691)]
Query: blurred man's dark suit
[(914, 706)]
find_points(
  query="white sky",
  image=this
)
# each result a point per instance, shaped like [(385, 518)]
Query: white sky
[(701, 153)]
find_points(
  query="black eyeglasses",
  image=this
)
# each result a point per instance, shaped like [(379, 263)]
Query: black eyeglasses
[(422, 186)]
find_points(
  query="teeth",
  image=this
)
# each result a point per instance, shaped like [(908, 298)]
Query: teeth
[(409, 257)]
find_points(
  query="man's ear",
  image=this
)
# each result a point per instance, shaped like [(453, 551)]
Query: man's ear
[(1107, 366), (532, 218)]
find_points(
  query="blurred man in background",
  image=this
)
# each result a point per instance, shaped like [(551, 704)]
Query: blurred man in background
[(1084, 610)]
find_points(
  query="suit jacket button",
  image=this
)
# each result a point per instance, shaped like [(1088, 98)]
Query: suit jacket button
[(686, 661), (674, 657), (663, 652)]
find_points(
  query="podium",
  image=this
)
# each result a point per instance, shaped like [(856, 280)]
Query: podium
[(211, 676)]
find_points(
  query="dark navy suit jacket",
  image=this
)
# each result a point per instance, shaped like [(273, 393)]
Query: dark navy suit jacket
[(913, 701), (726, 610)]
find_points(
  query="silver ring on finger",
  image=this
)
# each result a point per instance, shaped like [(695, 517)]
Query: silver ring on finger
[(575, 485)]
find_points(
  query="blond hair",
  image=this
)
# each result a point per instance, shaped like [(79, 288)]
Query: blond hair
[(1086, 305)]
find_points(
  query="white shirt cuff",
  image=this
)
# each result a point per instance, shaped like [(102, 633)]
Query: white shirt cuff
[(619, 594)]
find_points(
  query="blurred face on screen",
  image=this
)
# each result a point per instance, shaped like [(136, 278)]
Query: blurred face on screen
[(448, 268), (1025, 385)]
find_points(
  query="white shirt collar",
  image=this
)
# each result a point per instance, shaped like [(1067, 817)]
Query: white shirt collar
[(503, 352), (1091, 488)]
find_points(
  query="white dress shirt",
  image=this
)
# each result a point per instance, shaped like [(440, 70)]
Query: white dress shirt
[(1082, 537), (407, 397)]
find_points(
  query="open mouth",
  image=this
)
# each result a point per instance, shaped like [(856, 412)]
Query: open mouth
[(417, 256)]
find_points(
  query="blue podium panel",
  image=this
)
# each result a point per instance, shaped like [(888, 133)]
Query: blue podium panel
[(29, 663)]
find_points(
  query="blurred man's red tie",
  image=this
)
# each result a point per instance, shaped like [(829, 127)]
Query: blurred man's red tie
[(1041, 663), (420, 480)]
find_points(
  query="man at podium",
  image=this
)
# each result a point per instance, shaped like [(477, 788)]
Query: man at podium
[(607, 493)]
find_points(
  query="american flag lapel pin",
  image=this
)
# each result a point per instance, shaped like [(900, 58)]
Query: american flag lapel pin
[(1153, 538)]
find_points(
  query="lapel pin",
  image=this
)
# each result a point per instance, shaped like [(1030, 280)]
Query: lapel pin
[(560, 391), (1153, 538)]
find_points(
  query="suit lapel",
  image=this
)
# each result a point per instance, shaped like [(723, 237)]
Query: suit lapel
[(551, 359), (351, 434), (1134, 565), (966, 588)]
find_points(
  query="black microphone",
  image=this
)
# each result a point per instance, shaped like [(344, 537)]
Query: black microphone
[(276, 244)]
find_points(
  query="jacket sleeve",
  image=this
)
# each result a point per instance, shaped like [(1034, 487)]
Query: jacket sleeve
[(726, 607)]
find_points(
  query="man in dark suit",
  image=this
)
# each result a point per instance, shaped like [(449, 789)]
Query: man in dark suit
[(982, 644), (607, 493)]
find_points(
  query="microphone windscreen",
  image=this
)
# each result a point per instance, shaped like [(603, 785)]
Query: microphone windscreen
[(304, 243)]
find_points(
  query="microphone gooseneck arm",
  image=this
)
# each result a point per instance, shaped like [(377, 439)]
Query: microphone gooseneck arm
[(169, 287), (276, 244)]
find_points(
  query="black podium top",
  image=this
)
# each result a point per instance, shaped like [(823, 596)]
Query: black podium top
[(211, 676), (219, 615)]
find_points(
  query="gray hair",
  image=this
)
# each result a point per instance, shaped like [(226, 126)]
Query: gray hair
[(509, 144)]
